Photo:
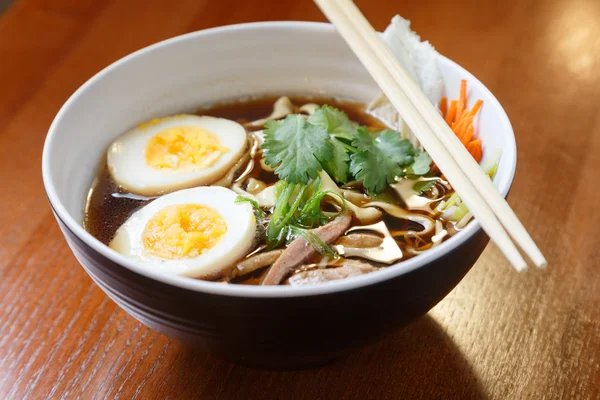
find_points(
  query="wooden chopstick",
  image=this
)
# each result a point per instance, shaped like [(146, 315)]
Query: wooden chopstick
[(420, 127), (488, 190)]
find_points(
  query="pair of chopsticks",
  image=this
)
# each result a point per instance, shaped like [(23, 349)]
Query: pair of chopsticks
[(466, 176)]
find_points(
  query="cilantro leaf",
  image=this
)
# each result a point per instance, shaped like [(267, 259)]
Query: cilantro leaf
[(337, 165), (335, 121), (399, 150), (296, 148), (328, 140), (339, 127), (421, 164), (371, 164), (422, 186)]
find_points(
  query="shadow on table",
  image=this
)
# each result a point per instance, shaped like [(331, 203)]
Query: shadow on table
[(420, 361)]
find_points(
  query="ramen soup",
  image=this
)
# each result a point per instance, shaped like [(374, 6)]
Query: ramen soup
[(287, 190), (270, 191)]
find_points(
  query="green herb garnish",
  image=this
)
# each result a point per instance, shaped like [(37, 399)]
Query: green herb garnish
[(298, 209), (314, 241), (329, 141), (335, 121), (296, 148), (379, 160), (422, 186), (337, 166), (421, 164), (258, 212), (288, 200)]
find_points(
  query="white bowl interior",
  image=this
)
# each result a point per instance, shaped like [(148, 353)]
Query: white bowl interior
[(197, 69)]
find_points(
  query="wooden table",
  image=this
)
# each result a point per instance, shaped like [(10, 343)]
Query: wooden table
[(499, 334)]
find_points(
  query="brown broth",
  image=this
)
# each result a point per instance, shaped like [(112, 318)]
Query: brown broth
[(107, 209), (109, 206), (259, 107)]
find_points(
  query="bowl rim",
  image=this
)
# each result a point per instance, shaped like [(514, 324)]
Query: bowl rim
[(217, 288)]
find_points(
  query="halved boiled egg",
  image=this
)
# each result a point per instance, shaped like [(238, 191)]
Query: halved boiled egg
[(178, 152), (197, 232)]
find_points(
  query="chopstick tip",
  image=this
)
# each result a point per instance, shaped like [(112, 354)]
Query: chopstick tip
[(521, 267)]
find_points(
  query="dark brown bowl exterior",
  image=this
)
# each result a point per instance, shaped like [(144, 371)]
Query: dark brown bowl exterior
[(282, 333)]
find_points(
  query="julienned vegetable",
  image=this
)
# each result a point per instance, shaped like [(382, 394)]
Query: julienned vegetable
[(461, 121), (258, 212), (329, 141), (454, 209), (298, 209)]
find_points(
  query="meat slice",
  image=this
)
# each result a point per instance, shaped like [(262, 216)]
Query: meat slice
[(299, 251), (347, 268)]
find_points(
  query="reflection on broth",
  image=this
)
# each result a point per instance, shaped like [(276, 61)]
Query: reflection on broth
[(108, 208)]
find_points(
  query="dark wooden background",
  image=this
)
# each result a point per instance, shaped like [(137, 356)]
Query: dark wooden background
[(499, 334)]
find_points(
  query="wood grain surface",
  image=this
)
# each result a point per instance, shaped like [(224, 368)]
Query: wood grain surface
[(498, 335)]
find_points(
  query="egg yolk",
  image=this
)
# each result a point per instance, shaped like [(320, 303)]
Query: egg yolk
[(183, 230), (183, 146)]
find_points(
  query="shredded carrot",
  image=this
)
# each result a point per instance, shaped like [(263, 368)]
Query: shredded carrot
[(468, 135), (468, 122), (462, 100), (444, 106), (475, 149), (460, 128), (451, 112), (461, 119), (456, 128), (464, 114), (460, 122), (476, 107)]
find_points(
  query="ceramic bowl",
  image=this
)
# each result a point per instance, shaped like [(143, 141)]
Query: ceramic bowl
[(266, 326)]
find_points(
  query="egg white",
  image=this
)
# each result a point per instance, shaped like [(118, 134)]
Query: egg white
[(235, 243), (126, 156)]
